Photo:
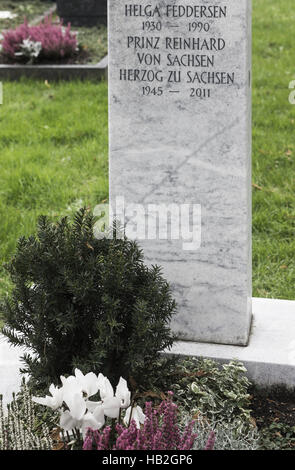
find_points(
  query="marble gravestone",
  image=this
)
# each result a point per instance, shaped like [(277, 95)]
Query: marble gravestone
[(180, 142)]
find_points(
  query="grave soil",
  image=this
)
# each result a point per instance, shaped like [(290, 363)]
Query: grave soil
[(276, 405), (274, 414)]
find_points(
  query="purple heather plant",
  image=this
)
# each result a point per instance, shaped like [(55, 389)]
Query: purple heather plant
[(211, 442), (57, 42), (160, 431)]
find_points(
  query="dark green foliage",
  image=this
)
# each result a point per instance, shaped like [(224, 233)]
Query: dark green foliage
[(84, 302), (277, 436)]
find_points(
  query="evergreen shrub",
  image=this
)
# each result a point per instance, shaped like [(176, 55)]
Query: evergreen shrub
[(85, 302)]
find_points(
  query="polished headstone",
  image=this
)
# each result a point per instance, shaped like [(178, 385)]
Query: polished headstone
[(180, 120)]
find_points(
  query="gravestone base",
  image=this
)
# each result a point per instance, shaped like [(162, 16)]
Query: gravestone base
[(270, 354), (269, 357)]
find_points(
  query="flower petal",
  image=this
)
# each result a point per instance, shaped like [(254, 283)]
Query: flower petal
[(92, 405), (67, 422), (100, 380), (46, 401), (98, 414), (111, 407), (57, 395), (89, 383), (106, 389), (126, 418), (141, 415), (123, 393), (89, 421), (76, 403), (137, 415), (92, 384)]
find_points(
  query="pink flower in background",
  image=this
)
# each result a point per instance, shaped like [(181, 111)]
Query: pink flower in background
[(56, 41)]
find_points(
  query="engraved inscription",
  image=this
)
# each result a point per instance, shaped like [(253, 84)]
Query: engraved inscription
[(176, 46)]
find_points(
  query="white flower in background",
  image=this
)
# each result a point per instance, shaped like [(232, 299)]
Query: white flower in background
[(55, 401), (29, 49), (7, 15), (137, 414)]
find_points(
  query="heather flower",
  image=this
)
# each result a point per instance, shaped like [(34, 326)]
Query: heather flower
[(46, 40), (18, 424), (97, 440), (159, 431), (210, 442)]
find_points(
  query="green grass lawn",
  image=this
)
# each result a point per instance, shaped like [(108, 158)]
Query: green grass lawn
[(54, 152), (29, 9), (273, 149), (53, 155)]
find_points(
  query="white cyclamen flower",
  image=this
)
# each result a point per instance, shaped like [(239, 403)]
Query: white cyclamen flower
[(123, 393), (111, 407), (7, 15), (90, 420), (81, 413), (29, 48), (112, 403), (106, 390), (75, 403), (89, 383), (137, 415), (55, 401)]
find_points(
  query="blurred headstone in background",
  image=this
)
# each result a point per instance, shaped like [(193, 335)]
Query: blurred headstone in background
[(82, 12)]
